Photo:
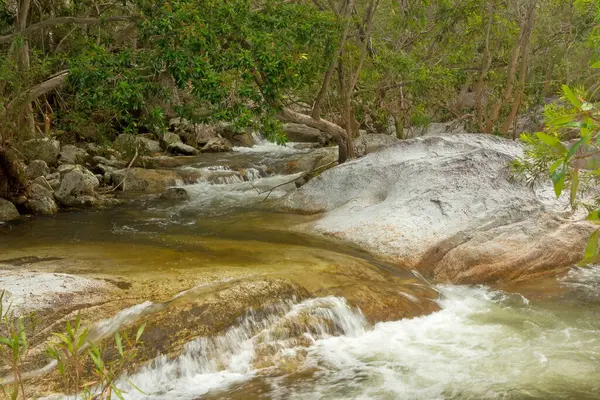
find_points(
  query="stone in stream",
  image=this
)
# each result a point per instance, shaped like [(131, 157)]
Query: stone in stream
[(182, 149), (77, 187), (446, 206), (175, 193), (40, 199), (8, 211), (217, 145), (305, 134), (145, 180)]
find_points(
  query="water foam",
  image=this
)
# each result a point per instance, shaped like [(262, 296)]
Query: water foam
[(215, 363), (482, 344)]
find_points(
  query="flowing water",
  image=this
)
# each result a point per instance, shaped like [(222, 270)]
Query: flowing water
[(539, 341)]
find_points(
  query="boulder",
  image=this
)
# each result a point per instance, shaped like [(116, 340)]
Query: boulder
[(448, 207), (313, 160), (153, 146), (303, 133), (78, 188), (8, 211), (239, 138), (36, 168), (45, 149), (145, 180), (370, 143), (196, 135), (169, 138), (70, 154), (175, 193), (217, 145), (128, 144), (40, 199), (183, 149)]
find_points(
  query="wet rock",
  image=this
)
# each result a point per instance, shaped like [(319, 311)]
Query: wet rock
[(70, 154), (35, 291), (45, 149), (190, 316), (370, 143), (40, 200), (78, 188), (217, 145), (239, 138), (36, 168), (381, 302), (175, 193), (195, 135), (145, 180), (447, 207), (8, 211), (183, 149), (303, 133), (313, 160)]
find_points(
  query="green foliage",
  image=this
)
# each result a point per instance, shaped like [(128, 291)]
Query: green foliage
[(216, 52), (78, 357), (568, 152), (14, 346)]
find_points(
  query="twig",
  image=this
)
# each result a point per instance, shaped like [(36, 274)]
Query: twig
[(290, 181), (126, 172)]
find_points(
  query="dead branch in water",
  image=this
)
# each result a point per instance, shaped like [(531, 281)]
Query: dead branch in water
[(314, 170)]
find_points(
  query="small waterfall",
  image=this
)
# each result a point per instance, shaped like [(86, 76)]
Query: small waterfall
[(261, 339)]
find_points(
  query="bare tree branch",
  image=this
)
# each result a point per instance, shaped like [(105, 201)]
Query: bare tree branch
[(64, 20)]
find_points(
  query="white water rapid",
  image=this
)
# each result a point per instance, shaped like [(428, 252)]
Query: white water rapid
[(482, 344)]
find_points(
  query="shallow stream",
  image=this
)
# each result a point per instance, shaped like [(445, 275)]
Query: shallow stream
[(536, 341)]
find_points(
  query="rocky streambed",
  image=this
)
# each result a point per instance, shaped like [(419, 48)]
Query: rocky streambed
[(352, 295)]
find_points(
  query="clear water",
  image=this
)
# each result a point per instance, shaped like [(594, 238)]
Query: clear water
[(536, 342)]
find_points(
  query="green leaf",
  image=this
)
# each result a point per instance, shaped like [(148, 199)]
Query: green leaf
[(555, 165), (561, 120), (119, 344), (594, 216), (139, 332), (558, 179), (549, 140), (118, 392), (97, 360), (574, 149), (592, 247), (574, 185), (571, 96), (595, 65), (82, 338)]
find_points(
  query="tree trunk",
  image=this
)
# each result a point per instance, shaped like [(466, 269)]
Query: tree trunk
[(12, 175), (316, 110), (25, 123), (529, 24), (486, 63)]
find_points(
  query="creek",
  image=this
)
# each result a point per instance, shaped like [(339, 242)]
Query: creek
[(528, 341)]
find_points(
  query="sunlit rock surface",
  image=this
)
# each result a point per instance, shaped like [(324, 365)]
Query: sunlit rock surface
[(448, 207)]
